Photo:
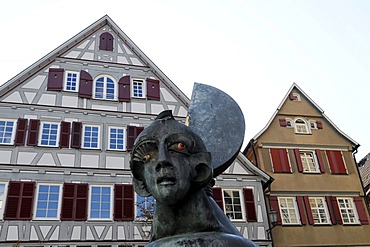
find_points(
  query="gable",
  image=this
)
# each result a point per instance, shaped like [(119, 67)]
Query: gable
[(45, 82)]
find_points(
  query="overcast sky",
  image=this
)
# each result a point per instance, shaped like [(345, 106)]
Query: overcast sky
[(252, 50)]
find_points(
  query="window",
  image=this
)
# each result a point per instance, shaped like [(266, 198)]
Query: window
[(116, 138), (47, 202), (91, 136), (49, 136), (295, 96), (288, 210), (100, 202), (319, 210), (300, 126), (71, 81), (138, 88), (309, 162), (313, 124), (7, 131), (233, 205), (144, 208), (3, 188), (105, 88), (347, 211)]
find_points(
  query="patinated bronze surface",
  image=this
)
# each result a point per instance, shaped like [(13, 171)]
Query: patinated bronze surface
[(172, 163)]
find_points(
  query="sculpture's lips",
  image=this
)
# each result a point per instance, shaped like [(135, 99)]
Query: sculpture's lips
[(166, 180)]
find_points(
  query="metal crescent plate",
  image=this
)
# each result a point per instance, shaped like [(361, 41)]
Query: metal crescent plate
[(219, 121)]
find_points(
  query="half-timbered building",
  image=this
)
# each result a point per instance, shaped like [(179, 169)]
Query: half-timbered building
[(67, 126)]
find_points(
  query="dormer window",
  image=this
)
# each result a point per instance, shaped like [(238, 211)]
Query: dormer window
[(300, 126), (106, 42)]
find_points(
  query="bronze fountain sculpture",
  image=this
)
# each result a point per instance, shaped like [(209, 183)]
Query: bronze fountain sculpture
[(176, 164)]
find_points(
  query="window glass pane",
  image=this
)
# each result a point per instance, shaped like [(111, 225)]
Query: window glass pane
[(6, 132), (288, 210), (116, 138), (100, 202), (91, 137), (145, 208), (232, 204), (47, 201), (49, 134), (347, 211)]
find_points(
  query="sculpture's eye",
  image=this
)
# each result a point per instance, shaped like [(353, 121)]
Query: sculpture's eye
[(180, 146), (146, 158)]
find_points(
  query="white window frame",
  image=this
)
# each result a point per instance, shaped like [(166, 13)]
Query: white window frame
[(66, 79), (124, 138), (345, 210), (83, 136), (41, 130), (296, 97), (320, 211), (143, 85), (137, 218), (289, 123), (115, 94), (15, 122), (3, 199), (290, 210), (313, 124), (314, 160), (242, 204), (111, 201), (37, 198), (297, 126)]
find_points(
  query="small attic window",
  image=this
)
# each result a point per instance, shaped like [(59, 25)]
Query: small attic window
[(295, 96), (106, 42)]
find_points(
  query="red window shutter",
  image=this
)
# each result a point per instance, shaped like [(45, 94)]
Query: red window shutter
[(132, 133), (81, 202), (280, 160), (20, 135), (74, 202), (123, 202), (336, 211), (106, 42), (20, 201), (76, 135), (65, 130), (282, 122), (217, 196), (361, 211), (291, 96), (336, 162), (319, 159), (55, 79), (319, 124), (124, 91), (152, 89), (298, 159), (274, 204), (33, 132), (68, 201), (331, 210), (308, 209), (118, 202), (86, 85), (249, 205)]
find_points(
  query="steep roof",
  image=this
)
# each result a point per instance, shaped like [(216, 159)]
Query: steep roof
[(77, 39), (295, 86), (364, 170)]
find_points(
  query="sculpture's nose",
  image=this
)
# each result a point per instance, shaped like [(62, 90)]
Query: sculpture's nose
[(162, 158)]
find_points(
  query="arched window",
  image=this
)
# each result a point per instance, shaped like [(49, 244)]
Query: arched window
[(106, 42), (105, 87), (300, 126)]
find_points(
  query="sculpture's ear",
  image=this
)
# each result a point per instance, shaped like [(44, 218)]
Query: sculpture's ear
[(203, 169), (140, 188)]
